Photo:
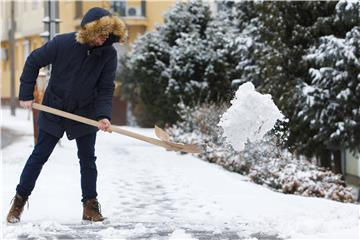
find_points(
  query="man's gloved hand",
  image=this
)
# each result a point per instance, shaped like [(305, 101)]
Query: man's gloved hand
[(26, 104), (104, 125)]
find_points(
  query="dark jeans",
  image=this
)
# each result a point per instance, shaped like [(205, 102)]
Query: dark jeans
[(41, 153)]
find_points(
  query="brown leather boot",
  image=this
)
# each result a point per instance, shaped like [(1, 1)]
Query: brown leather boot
[(16, 209), (92, 211)]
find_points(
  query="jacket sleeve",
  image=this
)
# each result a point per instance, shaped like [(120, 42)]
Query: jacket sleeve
[(38, 58), (105, 89)]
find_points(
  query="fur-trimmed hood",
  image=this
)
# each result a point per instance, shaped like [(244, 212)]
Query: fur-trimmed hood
[(98, 21)]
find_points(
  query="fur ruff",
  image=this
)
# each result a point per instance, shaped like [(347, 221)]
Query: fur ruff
[(103, 26)]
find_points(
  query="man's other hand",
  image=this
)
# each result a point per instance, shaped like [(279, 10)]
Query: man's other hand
[(26, 104), (104, 125)]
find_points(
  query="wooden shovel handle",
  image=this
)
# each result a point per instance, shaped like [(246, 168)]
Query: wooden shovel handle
[(96, 124)]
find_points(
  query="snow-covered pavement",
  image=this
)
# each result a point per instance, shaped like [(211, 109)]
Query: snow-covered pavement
[(149, 193)]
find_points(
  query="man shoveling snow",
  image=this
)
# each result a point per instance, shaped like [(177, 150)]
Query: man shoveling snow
[(82, 82)]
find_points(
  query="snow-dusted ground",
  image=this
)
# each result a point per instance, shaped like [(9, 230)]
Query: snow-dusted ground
[(147, 192)]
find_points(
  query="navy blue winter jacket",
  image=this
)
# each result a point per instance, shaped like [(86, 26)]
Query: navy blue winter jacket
[(82, 76)]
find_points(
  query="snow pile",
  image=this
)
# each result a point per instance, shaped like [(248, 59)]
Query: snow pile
[(280, 170), (250, 116), (264, 161), (33, 230), (180, 234)]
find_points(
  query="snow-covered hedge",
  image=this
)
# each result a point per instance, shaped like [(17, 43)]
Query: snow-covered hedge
[(264, 162)]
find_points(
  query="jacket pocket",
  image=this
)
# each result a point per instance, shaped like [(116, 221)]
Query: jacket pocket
[(54, 101), (86, 106)]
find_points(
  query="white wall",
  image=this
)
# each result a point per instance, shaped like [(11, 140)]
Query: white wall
[(352, 163), (28, 17)]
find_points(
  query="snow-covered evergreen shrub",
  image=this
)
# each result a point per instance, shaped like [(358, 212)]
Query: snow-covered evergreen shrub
[(329, 100), (265, 162), (183, 60), (333, 100), (278, 45)]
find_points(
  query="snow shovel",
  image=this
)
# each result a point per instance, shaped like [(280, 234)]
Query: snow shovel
[(160, 133)]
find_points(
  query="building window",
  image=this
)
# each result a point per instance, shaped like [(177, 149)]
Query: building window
[(129, 8), (16, 57), (35, 5), (143, 8), (78, 9), (4, 54), (26, 45), (119, 7)]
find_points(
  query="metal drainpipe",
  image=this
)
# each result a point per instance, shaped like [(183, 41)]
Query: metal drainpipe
[(343, 161), (12, 58)]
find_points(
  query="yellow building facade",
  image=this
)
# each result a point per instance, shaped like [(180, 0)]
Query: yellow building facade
[(140, 17), (28, 17)]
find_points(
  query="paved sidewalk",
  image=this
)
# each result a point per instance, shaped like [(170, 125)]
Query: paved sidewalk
[(7, 137)]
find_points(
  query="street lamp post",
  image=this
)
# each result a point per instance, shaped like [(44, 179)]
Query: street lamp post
[(51, 26)]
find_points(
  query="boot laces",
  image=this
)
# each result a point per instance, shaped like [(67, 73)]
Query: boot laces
[(96, 206)]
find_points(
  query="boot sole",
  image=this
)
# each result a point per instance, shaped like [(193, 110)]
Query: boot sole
[(87, 222), (17, 222)]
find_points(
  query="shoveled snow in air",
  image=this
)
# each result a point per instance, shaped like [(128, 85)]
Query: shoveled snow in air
[(150, 193), (250, 116)]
